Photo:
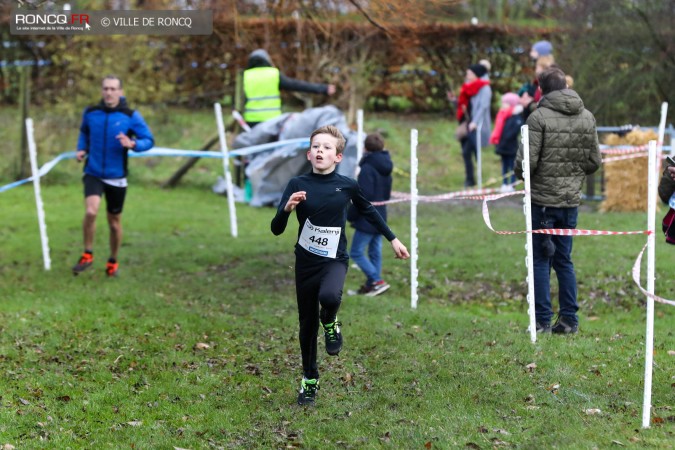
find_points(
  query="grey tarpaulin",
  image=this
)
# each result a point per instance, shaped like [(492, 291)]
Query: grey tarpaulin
[(269, 172)]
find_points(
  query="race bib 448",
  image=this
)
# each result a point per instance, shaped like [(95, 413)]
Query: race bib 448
[(322, 241)]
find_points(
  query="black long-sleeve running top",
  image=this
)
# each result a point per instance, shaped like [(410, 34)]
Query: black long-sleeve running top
[(323, 212)]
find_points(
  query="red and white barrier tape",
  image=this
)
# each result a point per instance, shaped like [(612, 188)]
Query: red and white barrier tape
[(622, 158), (466, 194), (631, 156), (636, 278), (458, 195), (622, 149), (399, 197), (576, 232), (488, 194), (551, 231)]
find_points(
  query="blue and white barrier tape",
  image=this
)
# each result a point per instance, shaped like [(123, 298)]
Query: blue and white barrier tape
[(162, 151)]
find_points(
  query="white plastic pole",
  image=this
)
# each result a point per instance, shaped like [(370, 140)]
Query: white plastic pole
[(479, 158), (226, 168), (413, 219), (359, 140), (32, 151), (527, 208), (651, 245)]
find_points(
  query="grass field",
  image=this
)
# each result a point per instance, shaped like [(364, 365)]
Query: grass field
[(90, 362)]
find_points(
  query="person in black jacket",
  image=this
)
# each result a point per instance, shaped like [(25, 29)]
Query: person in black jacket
[(320, 199), (375, 181)]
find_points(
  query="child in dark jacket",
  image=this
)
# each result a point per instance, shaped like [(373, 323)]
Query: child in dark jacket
[(375, 181), (505, 136)]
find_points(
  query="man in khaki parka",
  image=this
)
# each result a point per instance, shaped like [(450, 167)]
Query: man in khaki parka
[(563, 150)]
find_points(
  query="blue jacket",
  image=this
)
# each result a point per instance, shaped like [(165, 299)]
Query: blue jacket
[(375, 182), (106, 158)]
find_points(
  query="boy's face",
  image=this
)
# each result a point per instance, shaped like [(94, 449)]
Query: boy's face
[(322, 153)]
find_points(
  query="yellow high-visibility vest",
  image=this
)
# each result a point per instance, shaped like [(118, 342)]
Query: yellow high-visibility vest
[(263, 99)]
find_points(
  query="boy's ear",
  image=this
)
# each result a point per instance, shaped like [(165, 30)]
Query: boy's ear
[(338, 157), (308, 153)]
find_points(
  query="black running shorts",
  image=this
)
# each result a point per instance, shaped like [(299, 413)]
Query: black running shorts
[(114, 196)]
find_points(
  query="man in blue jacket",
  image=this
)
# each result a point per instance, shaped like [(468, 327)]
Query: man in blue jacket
[(108, 131)]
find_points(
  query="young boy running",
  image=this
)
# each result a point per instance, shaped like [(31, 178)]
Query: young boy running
[(320, 199)]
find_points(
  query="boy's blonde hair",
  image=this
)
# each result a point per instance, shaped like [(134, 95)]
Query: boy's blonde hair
[(545, 62), (570, 81), (330, 129)]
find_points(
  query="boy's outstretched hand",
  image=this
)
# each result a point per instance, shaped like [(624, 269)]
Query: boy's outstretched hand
[(399, 249), (294, 199)]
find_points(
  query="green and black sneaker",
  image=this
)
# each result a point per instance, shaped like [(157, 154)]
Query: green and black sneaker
[(307, 393), (331, 332)]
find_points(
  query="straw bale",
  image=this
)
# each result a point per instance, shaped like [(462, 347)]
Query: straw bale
[(626, 181)]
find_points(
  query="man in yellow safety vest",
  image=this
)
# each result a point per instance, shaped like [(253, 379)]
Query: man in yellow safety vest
[(262, 86)]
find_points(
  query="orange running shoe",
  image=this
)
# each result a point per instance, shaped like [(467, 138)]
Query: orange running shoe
[(111, 268), (85, 262)]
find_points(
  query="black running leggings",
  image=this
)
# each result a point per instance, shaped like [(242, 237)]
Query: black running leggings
[(316, 285)]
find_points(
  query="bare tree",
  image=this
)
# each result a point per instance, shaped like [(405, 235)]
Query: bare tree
[(621, 54)]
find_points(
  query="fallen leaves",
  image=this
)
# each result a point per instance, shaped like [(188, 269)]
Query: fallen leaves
[(595, 371), (347, 379), (201, 346), (592, 411), (530, 367), (252, 369)]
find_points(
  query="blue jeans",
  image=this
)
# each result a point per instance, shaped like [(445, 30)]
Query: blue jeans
[(556, 252), (370, 265), (508, 161)]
